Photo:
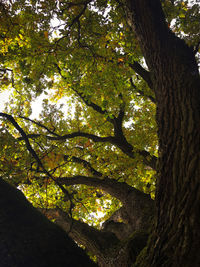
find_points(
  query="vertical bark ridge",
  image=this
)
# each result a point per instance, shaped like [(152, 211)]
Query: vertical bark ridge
[(177, 88)]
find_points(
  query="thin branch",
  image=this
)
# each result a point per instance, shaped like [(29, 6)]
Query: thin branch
[(141, 92), (118, 121), (75, 19), (118, 140), (85, 163), (196, 48), (93, 137), (24, 136), (84, 99), (40, 125), (32, 151), (92, 105)]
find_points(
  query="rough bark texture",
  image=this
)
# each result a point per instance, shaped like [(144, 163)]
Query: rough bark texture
[(104, 244), (123, 235), (138, 207), (174, 72), (27, 238)]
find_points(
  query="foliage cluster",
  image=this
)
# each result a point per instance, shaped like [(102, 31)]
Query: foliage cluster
[(97, 117)]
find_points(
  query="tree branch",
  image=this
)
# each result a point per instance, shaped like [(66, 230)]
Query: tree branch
[(142, 72), (91, 104), (119, 190), (84, 99), (119, 141), (138, 208), (148, 159), (94, 240), (93, 137), (23, 135), (40, 125), (33, 153), (85, 163), (118, 122), (142, 93), (76, 19), (27, 238)]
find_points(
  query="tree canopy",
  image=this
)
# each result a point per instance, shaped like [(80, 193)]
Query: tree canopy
[(88, 157)]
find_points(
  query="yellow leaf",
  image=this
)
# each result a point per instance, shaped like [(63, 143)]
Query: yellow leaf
[(46, 34)]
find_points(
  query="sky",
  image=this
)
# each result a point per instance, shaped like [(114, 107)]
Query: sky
[(3, 98), (36, 106)]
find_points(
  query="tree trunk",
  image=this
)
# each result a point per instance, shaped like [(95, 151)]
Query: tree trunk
[(28, 239), (175, 77)]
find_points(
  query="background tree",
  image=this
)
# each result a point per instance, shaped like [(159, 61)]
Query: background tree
[(99, 153)]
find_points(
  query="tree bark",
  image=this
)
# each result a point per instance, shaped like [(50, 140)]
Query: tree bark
[(138, 207), (123, 235), (104, 244), (175, 77), (27, 238)]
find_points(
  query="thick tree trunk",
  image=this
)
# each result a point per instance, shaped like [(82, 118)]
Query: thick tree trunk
[(174, 72), (28, 239), (177, 238), (178, 190)]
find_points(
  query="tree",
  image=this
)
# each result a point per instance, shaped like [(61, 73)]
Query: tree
[(29, 239), (175, 77), (109, 143)]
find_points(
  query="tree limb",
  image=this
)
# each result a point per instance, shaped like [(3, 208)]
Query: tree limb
[(142, 72), (148, 159), (138, 208), (91, 104), (119, 141), (32, 152), (119, 190), (76, 19), (94, 240), (23, 135), (93, 137)]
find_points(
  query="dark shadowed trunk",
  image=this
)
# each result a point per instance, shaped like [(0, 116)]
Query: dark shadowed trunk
[(28, 239), (175, 78)]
